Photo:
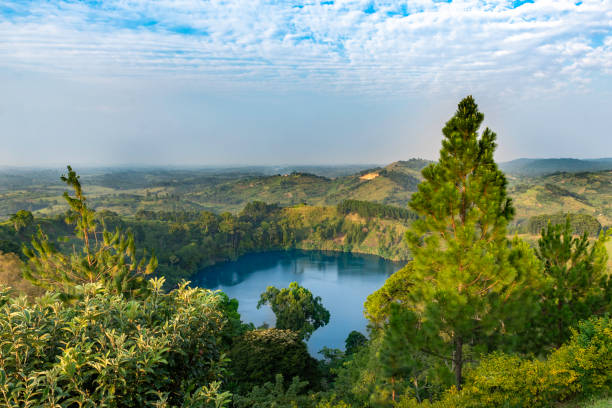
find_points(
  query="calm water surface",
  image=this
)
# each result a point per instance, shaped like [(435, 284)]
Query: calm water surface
[(342, 280)]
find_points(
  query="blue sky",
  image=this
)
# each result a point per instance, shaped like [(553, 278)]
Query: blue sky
[(276, 82)]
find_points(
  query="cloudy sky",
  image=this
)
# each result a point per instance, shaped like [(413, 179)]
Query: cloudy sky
[(293, 82)]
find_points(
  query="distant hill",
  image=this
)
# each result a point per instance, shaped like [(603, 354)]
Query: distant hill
[(582, 193), (392, 184), (127, 191), (541, 167)]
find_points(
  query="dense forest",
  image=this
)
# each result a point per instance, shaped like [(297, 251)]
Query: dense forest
[(97, 313), (186, 241)]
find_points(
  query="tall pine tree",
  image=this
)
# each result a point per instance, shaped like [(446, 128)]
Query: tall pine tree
[(467, 279)]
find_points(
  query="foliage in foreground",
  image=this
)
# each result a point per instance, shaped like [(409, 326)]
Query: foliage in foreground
[(583, 367), (103, 257), (106, 350)]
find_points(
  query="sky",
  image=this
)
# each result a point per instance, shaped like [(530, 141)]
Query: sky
[(230, 82)]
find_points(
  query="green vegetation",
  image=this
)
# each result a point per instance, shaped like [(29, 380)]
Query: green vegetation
[(575, 193), (127, 192), (577, 284), (258, 356), (467, 279), (474, 319), (460, 325), (186, 241), (580, 223), (21, 219), (296, 309), (368, 209), (581, 367), (106, 350), (107, 258), (354, 342)]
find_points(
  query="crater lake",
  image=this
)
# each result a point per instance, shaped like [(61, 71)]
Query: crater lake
[(342, 280)]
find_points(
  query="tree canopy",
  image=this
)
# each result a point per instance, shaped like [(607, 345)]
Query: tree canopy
[(295, 309), (21, 219), (577, 282)]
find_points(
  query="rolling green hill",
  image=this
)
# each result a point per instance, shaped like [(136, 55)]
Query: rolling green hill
[(128, 191), (584, 193)]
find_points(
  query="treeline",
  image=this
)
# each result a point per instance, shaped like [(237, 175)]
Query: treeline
[(368, 209), (559, 192), (172, 216), (580, 223), (186, 241), (200, 239)]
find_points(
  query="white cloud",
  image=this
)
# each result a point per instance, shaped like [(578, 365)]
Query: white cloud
[(374, 47)]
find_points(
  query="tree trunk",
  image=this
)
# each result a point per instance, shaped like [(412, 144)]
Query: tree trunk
[(458, 360)]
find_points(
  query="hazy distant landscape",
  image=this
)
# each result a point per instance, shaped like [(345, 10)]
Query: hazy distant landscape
[(538, 186)]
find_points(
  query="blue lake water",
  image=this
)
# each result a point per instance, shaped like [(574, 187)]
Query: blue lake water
[(342, 280)]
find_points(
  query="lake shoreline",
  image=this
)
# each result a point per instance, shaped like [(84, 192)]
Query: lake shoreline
[(343, 280)]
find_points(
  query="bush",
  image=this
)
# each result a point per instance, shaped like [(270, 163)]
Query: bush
[(258, 356), (105, 350), (274, 395), (582, 368), (354, 342)]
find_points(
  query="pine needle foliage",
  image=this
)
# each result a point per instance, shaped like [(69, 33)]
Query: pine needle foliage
[(399, 360), (578, 285), (466, 275), (102, 257)]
